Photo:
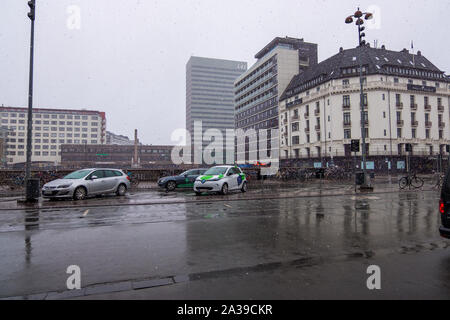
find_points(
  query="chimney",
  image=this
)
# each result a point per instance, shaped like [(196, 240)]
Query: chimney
[(383, 47), (135, 147), (341, 49), (419, 53)]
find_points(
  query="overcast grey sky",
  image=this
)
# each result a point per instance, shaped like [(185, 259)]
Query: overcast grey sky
[(128, 57)]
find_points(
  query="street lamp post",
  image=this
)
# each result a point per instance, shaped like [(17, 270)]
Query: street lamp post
[(360, 17), (31, 15)]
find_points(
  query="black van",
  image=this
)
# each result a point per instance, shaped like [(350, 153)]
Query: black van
[(444, 207)]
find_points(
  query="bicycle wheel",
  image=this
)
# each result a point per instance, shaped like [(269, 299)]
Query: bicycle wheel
[(403, 183), (416, 182)]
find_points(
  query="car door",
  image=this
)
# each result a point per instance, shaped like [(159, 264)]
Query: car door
[(192, 175), (232, 179), (95, 185), (111, 181)]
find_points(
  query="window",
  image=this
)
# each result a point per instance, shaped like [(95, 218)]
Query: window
[(413, 133), (399, 132), (347, 134), (427, 133), (397, 99), (347, 118), (346, 101)]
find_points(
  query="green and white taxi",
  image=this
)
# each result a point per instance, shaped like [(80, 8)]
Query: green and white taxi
[(221, 179)]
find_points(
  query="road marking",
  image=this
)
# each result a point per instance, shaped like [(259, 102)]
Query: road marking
[(86, 212), (227, 205)]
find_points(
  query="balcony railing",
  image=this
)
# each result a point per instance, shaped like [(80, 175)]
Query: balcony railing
[(285, 120), (414, 106), (427, 107), (295, 117), (399, 105), (346, 107), (399, 123), (441, 124), (306, 114), (366, 122), (307, 130), (440, 108), (317, 127), (316, 112), (414, 123), (347, 123), (428, 124)]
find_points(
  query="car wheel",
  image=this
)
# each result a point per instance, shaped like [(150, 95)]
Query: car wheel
[(244, 187), (80, 193), (121, 189), (224, 189), (171, 185), (198, 193)]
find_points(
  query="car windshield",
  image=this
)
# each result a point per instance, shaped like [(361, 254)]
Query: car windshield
[(216, 170), (77, 174)]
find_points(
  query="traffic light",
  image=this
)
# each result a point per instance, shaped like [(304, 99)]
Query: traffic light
[(32, 6), (354, 147)]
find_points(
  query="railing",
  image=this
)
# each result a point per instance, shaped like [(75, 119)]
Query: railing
[(317, 127), (441, 124), (347, 123), (346, 107), (316, 112), (428, 124), (414, 106), (399, 123), (306, 115), (295, 118), (399, 105), (414, 123), (427, 107), (440, 108), (307, 130)]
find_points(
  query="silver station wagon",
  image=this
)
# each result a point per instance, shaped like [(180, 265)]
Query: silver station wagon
[(88, 182)]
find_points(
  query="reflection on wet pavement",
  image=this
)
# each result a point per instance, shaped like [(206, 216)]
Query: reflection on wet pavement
[(133, 242)]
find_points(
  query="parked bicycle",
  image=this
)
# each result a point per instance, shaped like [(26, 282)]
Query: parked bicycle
[(438, 180), (411, 180)]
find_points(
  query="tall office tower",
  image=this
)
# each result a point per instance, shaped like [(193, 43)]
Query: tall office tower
[(257, 91), (209, 96)]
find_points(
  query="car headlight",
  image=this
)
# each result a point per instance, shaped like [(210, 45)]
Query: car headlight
[(64, 186)]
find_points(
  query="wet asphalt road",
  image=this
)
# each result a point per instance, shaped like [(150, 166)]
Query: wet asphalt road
[(284, 246)]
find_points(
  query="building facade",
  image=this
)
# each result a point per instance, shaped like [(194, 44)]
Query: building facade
[(406, 101), (51, 129), (112, 138), (257, 91), (114, 155), (209, 94)]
